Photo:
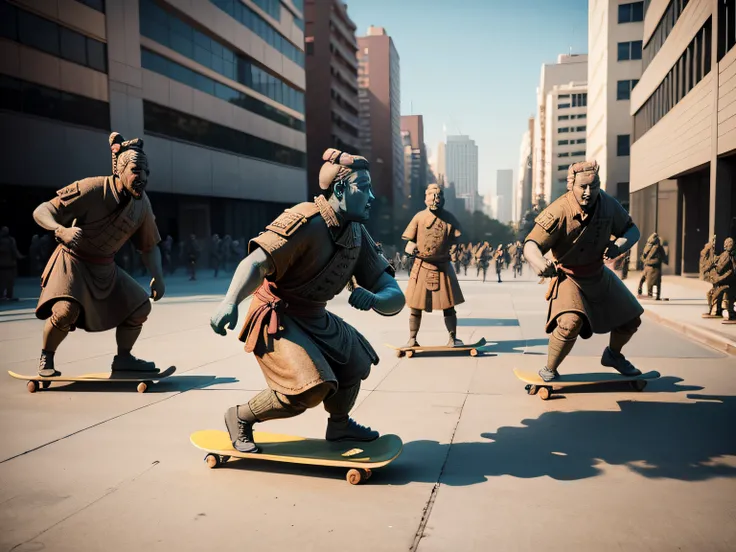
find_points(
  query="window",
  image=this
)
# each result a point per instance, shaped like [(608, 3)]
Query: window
[(563, 142), (624, 88), (34, 99), (580, 100), (580, 129), (562, 167), (182, 126), (631, 13), (39, 33), (580, 141), (98, 5), (726, 26), (578, 154), (662, 30), (622, 192), (622, 145), (687, 72), (253, 21), (563, 106), (563, 154), (163, 27), (563, 129), (171, 69), (563, 117), (629, 50), (563, 96)]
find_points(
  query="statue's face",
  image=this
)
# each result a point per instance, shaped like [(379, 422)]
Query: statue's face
[(728, 245), (135, 177), (434, 198), (357, 196), (586, 194)]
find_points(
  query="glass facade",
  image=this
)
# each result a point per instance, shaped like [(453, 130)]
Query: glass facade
[(165, 28), (182, 126), (624, 88), (250, 19), (631, 13), (171, 69), (50, 37), (663, 30), (33, 99)]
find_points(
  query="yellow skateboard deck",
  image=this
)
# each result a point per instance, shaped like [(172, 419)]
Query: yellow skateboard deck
[(536, 385), (360, 457), (144, 379), (410, 351)]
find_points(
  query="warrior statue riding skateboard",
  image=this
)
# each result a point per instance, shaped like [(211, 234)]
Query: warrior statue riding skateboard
[(305, 258), (144, 379), (82, 287), (409, 352), (535, 385), (585, 296), (433, 283)]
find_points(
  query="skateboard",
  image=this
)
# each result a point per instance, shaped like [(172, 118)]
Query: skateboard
[(650, 298), (537, 386), (360, 457), (144, 379), (410, 351)]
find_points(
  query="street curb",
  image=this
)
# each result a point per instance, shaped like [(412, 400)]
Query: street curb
[(701, 335)]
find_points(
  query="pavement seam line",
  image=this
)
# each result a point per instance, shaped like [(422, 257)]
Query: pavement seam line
[(419, 535), (95, 501)]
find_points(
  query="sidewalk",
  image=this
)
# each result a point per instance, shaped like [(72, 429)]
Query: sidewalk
[(684, 309)]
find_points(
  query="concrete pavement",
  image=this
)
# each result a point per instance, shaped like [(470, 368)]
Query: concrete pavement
[(484, 466)]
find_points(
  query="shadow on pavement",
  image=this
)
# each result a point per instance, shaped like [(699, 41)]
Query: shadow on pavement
[(681, 441), (516, 346), (172, 384), (505, 322), (663, 384)]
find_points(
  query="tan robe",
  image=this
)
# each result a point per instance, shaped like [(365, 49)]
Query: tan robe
[(88, 274), (578, 243), (297, 342), (433, 283)]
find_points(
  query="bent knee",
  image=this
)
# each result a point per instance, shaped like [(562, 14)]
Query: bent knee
[(309, 398), (139, 315), (630, 327), (569, 325), (64, 314)]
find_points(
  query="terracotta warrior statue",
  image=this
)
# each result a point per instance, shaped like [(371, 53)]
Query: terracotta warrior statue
[(585, 296), (303, 259), (652, 257), (499, 259), (723, 278), (482, 259), (82, 287), (433, 283)]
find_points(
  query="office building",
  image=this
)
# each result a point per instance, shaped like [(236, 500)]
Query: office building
[(615, 28), (684, 137), (461, 165), (214, 88), (566, 131), (379, 101), (569, 68), (505, 195), (332, 84), (414, 191), (523, 182)]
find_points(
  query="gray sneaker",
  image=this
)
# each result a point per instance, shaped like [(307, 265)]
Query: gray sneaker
[(46, 366), (241, 432), (548, 375), (349, 430), (618, 362)]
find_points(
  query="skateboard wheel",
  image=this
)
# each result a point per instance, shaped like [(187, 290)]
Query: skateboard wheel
[(531, 389), (367, 474), (638, 385), (142, 386), (354, 476), (544, 393), (45, 384), (409, 354), (32, 386), (212, 461), (400, 354), (473, 352)]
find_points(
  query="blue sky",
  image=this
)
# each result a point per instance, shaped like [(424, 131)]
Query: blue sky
[(474, 65)]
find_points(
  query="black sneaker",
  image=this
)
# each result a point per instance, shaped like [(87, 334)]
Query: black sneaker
[(349, 430), (548, 375), (46, 366), (129, 363), (618, 362), (241, 432)]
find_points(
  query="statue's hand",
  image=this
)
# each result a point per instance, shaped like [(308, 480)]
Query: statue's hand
[(549, 271), (158, 289), (68, 236), (362, 299), (226, 315), (612, 252)]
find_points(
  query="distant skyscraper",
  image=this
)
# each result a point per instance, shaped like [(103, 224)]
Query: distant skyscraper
[(441, 163), (380, 121), (414, 125), (461, 157), (523, 182), (505, 194)]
